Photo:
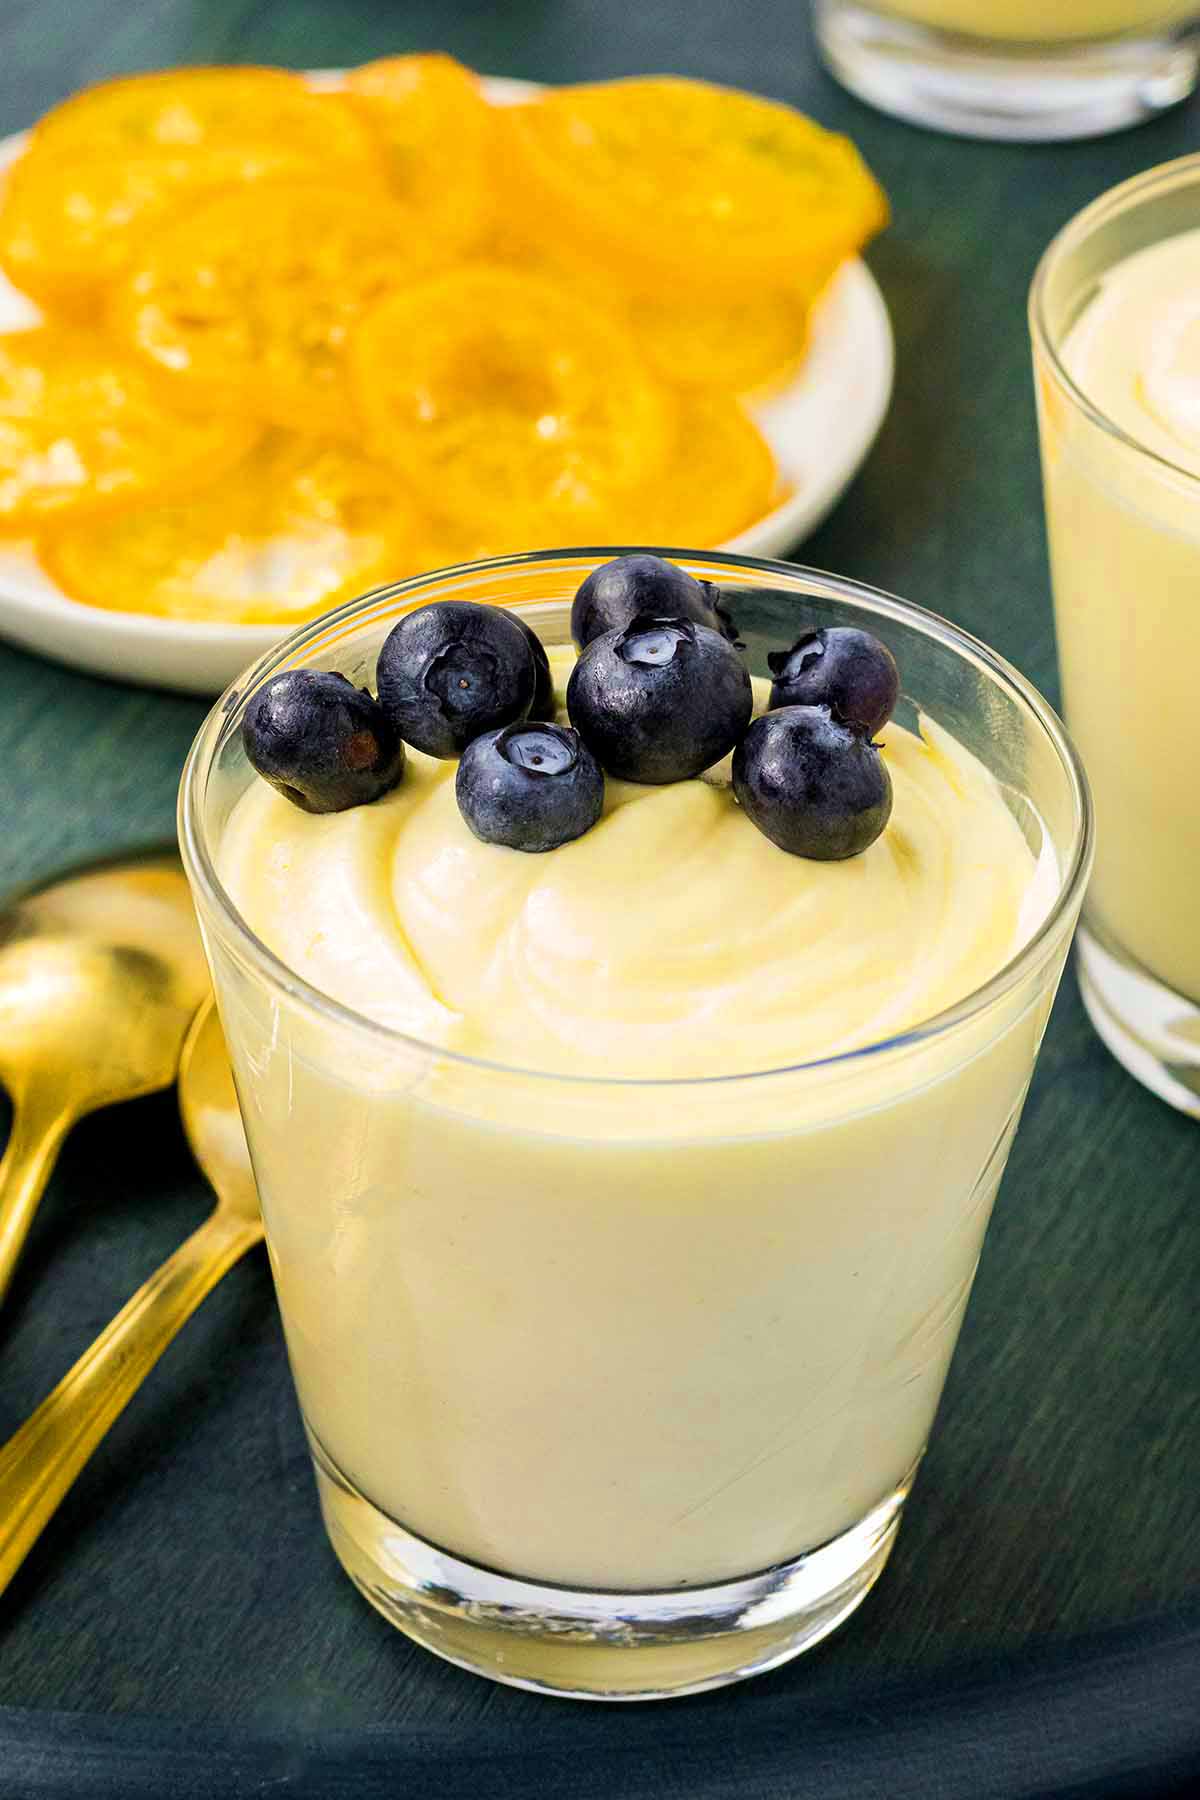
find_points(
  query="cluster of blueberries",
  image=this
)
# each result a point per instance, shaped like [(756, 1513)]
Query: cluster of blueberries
[(659, 693)]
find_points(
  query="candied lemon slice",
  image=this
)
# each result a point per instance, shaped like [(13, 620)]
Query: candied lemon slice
[(689, 181), (82, 428), (721, 477), (174, 112), (248, 299), (732, 342), (69, 227), (294, 529), (748, 342), (505, 397), (106, 165), (435, 128)]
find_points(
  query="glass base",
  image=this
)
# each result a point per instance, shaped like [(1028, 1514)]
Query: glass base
[(1154, 1032), (601, 1646), (987, 89)]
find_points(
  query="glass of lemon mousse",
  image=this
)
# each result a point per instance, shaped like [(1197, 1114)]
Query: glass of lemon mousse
[(627, 1121), (1026, 69), (1115, 318)]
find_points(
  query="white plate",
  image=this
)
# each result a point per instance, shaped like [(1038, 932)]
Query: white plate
[(820, 428)]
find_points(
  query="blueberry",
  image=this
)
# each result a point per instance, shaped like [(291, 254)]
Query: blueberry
[(840, 667), (614, 594), (454, 669), (543, 693), (660, 700), (529, 787), (814, 786), (324, 743)]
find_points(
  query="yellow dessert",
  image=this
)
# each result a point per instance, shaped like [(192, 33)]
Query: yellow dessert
[(611, 1334), (1035, 22), (1125, 552)]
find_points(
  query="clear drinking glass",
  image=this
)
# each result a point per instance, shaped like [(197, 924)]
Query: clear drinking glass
[(617, 1387), (1029, 69), (1124, 534)]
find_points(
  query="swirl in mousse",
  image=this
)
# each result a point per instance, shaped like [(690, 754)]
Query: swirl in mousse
[(672, 939)]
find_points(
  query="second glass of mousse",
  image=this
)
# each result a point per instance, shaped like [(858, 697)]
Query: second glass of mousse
[(624, 1196), (1024, 69), (1115, 316)]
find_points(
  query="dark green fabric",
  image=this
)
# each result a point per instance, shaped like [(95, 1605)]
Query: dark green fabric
[(186, 1578), (1114, 1719)]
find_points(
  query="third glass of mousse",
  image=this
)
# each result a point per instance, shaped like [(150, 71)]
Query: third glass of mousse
[(633, 973), (1115, 315), (1026, 69)]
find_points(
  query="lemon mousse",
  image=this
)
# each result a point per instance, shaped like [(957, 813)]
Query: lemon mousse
[(1124, 531), (573, 1289), (1033, 22)]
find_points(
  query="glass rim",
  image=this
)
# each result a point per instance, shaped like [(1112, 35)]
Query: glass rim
[(202, 874), (1068, 237)]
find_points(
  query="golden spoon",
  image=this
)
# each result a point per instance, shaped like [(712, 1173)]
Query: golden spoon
[(42, 1458), (101, 972)]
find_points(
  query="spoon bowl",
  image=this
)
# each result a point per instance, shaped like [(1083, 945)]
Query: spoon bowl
[(101, 972)]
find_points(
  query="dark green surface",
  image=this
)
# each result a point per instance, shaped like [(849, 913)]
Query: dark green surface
[(187, 1575)]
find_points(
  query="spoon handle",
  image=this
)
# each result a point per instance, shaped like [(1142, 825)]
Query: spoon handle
[(38, 1129), (43, 1457)]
